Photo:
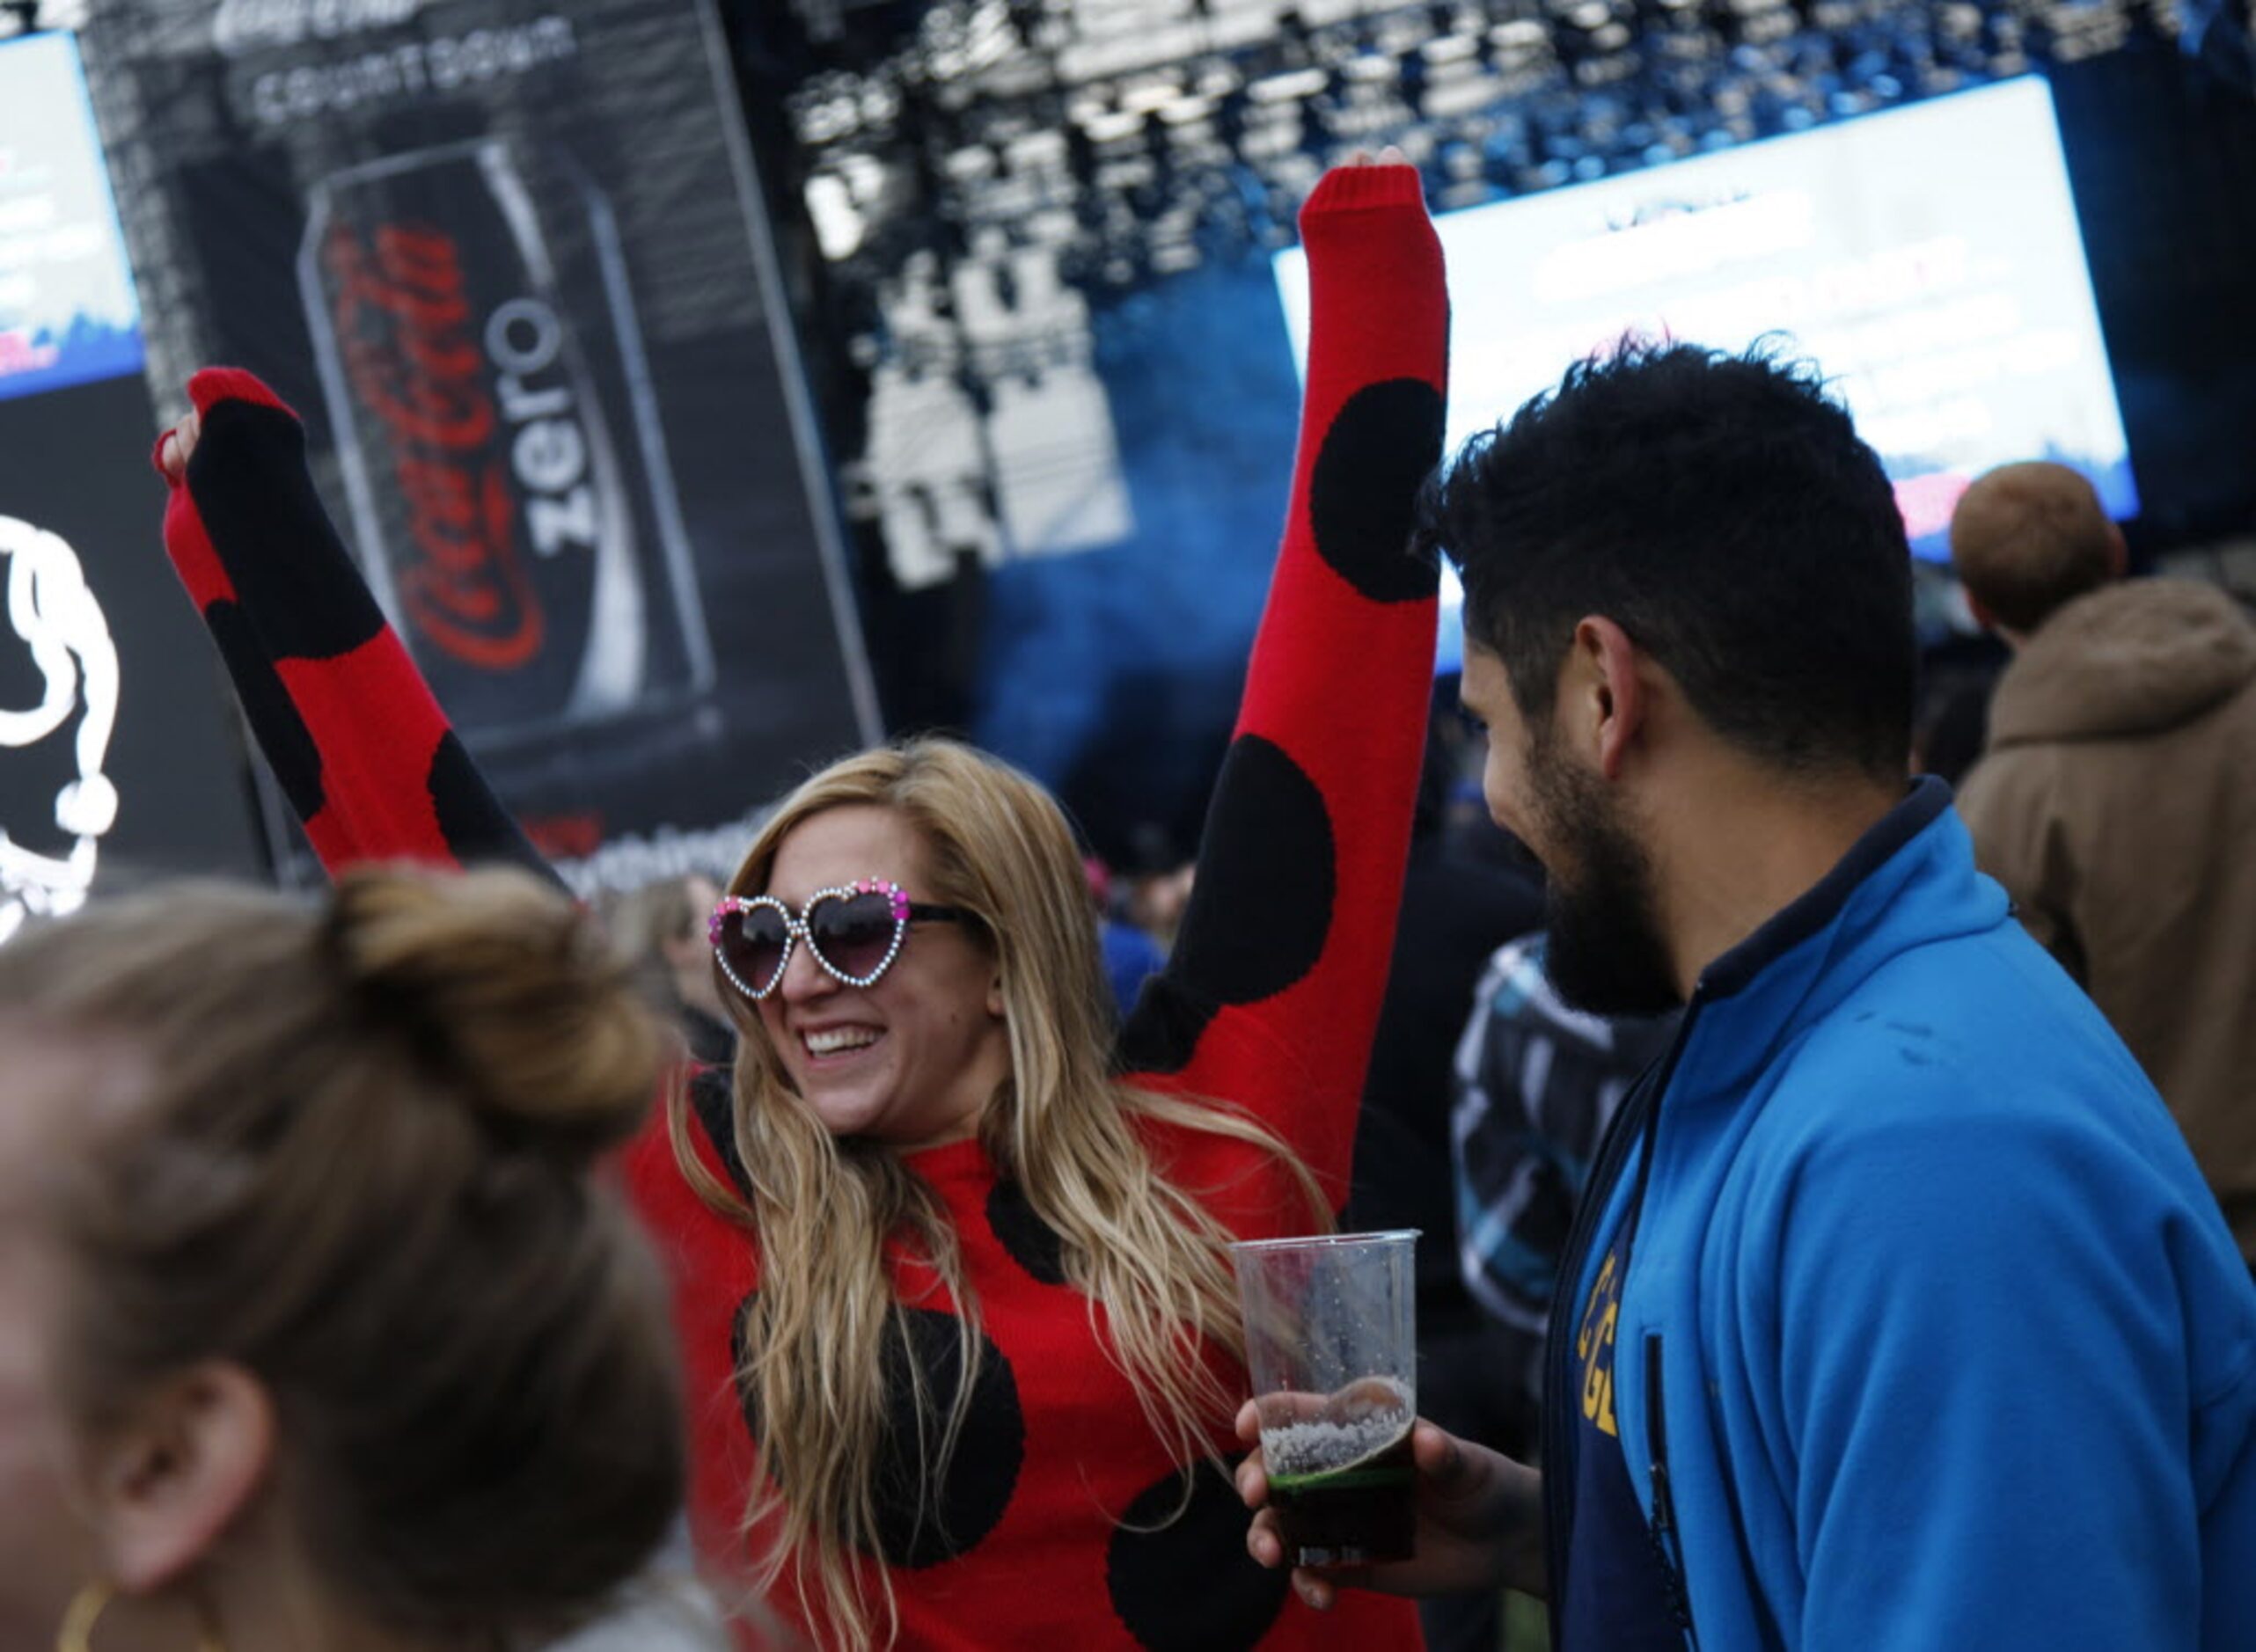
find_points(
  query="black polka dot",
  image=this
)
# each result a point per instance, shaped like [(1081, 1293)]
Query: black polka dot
[(914, 1531), (1268, 848), (712, 1101), (984, 1470), (1032, 1243), (747, 1400), (1162, 1033), (1363, 492), (259, 513), (281, 733), (472, 824), (1188, 1585)]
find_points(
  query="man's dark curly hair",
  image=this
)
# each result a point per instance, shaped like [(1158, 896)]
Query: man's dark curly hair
[(1722, 510)]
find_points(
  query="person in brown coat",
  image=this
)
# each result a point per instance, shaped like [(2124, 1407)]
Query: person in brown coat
[(2116, 800)]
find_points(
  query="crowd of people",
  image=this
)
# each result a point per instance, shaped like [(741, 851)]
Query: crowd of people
[(1814, 1255)]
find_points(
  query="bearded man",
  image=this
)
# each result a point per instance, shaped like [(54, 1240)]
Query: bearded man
[(1896, 1315)]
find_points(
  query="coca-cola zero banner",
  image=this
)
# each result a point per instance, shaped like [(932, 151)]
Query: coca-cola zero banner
[(508, 260)]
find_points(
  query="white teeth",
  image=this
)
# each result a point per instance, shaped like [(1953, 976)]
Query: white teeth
[(832, 1039)]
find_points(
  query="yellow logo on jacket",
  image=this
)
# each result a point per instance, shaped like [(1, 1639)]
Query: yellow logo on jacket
[(1593, 1347)]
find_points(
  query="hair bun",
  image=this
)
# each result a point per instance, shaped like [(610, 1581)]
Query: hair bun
[(510, 994)]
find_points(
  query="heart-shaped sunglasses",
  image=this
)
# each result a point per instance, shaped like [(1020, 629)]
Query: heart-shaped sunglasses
[(853, 933)]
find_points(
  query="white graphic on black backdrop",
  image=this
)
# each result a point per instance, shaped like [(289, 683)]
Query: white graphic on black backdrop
[(53, 613)]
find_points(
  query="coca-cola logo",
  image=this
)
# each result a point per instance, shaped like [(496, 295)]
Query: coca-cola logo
[(487, 451)]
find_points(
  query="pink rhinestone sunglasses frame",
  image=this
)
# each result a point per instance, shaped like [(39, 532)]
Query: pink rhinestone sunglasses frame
[(797, 927)]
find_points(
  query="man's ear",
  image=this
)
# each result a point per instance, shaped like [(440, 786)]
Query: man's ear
[(1605, 692), (169, 1481)]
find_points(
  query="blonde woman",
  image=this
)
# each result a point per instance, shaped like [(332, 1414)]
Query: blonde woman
[(950, 1265), (315, 1330)]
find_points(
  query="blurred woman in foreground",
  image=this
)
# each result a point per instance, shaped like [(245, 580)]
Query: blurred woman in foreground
[(315, 1330)]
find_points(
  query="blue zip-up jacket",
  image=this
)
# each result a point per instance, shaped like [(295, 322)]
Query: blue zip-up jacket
[(1934, 1332)]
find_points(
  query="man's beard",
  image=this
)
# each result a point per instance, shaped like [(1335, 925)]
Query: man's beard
[(1606, 955)]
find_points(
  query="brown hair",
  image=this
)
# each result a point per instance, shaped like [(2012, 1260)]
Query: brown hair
[(641, 920), (2028, 539), (356, 1162)]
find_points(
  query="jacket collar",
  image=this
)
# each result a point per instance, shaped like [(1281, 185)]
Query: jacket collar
[(1821, 903), (1908, 880)]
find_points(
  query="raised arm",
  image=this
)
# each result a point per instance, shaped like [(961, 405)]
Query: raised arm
[(361, 750), (1272, 995)]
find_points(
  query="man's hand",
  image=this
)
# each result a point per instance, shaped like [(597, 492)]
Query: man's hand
[(1480, 1522)]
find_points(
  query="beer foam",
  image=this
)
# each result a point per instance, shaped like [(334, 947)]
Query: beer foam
[(1321, 1446)]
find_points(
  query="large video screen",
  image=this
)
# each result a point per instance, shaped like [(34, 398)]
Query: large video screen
[(67, 310), (1927, 258)]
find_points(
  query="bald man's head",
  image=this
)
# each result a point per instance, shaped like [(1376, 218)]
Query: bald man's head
[(2026, 539)]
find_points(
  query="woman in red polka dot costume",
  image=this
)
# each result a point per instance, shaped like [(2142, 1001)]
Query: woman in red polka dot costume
[(949, 1272)]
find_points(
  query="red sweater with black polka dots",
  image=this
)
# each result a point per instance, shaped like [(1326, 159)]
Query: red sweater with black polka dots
[(1051, 1528)]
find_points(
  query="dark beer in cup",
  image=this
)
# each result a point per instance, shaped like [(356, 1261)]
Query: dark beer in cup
[(1341, 1481)]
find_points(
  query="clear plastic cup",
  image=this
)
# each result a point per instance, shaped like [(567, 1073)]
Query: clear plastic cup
[(1331, 1340)]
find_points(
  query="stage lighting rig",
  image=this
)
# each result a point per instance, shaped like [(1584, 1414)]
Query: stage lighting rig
[(1117, 144)]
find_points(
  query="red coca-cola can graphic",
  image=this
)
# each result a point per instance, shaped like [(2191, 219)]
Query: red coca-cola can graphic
[(499, 437)]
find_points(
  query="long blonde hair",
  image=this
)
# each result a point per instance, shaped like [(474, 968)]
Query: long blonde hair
[(1153, 1264)]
